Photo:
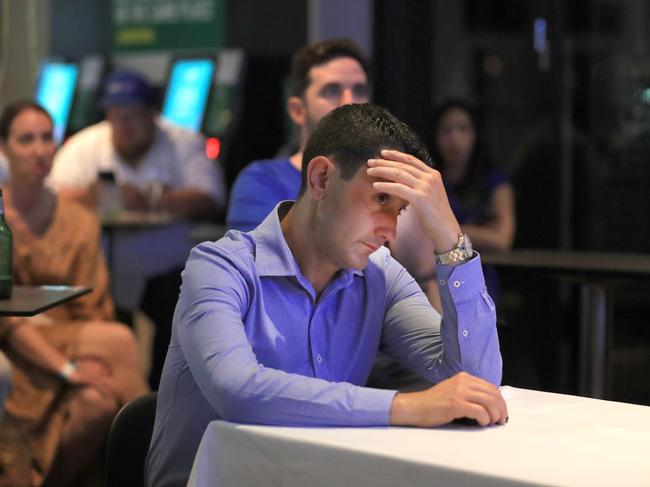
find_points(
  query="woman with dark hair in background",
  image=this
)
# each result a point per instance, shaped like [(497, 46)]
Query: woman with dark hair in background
[(72, 370), (479, 194)]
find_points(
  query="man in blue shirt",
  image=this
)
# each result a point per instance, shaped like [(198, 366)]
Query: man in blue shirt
[(281, 325), (324, 75)]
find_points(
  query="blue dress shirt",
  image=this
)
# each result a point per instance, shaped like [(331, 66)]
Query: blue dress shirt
[(253, 343), (258, 188)]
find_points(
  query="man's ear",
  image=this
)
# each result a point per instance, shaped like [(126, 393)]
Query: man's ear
[(296, 110), (319, 173)]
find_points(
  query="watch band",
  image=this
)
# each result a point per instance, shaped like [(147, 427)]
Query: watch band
[(67, 370), (462, 252)]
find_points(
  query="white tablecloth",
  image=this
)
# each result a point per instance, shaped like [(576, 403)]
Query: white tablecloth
[(551, 439)]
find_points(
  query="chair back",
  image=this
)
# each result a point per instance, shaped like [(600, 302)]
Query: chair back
[(128, 442)]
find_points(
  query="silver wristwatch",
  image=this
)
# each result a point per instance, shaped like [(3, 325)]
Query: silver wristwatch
[(462, 252)]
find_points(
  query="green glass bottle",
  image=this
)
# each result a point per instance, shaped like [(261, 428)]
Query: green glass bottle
[(6, 254)]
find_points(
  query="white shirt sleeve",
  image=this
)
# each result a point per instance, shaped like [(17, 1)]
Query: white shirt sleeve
[(77, 163), (199, 172)]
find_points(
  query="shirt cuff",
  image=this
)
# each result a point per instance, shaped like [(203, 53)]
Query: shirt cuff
[(463, 280), (372, 406)]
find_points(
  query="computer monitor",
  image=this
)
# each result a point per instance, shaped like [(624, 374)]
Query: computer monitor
[(55, 92), (187, 92)]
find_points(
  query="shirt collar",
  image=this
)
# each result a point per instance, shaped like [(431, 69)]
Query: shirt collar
[(272, 254)]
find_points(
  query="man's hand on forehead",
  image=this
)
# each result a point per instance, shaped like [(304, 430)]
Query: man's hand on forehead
[(404, 175), (407, 177)]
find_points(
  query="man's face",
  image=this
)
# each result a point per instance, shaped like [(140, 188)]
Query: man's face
[(133, 130), (353, 220), (338, 82)]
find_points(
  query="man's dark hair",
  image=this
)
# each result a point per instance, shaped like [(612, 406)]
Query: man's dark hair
[(352, 134), (319, 53), (14, 109)]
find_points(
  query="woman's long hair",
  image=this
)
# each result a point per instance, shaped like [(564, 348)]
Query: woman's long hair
[(470, 189)]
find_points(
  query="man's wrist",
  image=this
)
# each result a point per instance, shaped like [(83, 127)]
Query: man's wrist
[(401, 410), (462, 252)]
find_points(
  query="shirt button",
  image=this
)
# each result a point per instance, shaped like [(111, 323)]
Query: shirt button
[(465, 333), (319, 359), (442, 282), (456, 283)]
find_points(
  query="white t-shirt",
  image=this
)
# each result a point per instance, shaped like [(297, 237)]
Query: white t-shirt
[(177, 159)]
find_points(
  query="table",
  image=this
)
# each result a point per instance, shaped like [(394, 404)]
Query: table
[(131, 220), (550, 440), (595, 272), (32, 300), (137, 219), (128, 224)]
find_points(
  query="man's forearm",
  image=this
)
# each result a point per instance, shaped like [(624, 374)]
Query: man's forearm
[(469, 322), (86, 196)]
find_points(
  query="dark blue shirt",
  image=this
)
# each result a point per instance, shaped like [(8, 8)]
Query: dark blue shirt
[(257, 189)]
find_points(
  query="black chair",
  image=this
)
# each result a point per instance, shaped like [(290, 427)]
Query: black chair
[(128, 442)]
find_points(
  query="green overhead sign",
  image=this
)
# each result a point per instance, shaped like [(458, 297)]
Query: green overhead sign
[(167, 24)]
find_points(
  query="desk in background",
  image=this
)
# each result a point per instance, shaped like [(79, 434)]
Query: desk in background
[(596, 272), (32, 300), (550, 440), (141, 244)]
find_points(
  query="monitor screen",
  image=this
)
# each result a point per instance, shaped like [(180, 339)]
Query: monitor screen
[(187, 92), (55, 92)]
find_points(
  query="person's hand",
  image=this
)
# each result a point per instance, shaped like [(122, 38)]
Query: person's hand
[(92, 372), (411, 179), (133, 198), (461, 396)]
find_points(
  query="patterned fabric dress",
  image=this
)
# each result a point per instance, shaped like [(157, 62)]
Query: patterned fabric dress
[(68, 252)]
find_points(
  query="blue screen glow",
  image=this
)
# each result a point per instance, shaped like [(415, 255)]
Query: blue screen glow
[(187, 92), (55, 92)]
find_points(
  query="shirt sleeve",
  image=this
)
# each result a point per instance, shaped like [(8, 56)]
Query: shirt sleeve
[(434, 347), (211, 334), (251, 199), (75, 164)]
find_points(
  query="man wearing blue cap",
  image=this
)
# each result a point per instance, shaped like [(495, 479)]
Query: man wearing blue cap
[(157, 166)]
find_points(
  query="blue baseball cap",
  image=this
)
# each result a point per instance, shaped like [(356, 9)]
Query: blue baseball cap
[(126, 88)]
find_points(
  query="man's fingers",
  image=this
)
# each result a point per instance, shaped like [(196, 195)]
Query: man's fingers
[(474, 411), (396, 189), (409, 168), (493, 405), (395, 155), (394, 174), (483, 394)]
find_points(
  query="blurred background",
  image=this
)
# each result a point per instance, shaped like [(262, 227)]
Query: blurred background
[(563, 90)]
